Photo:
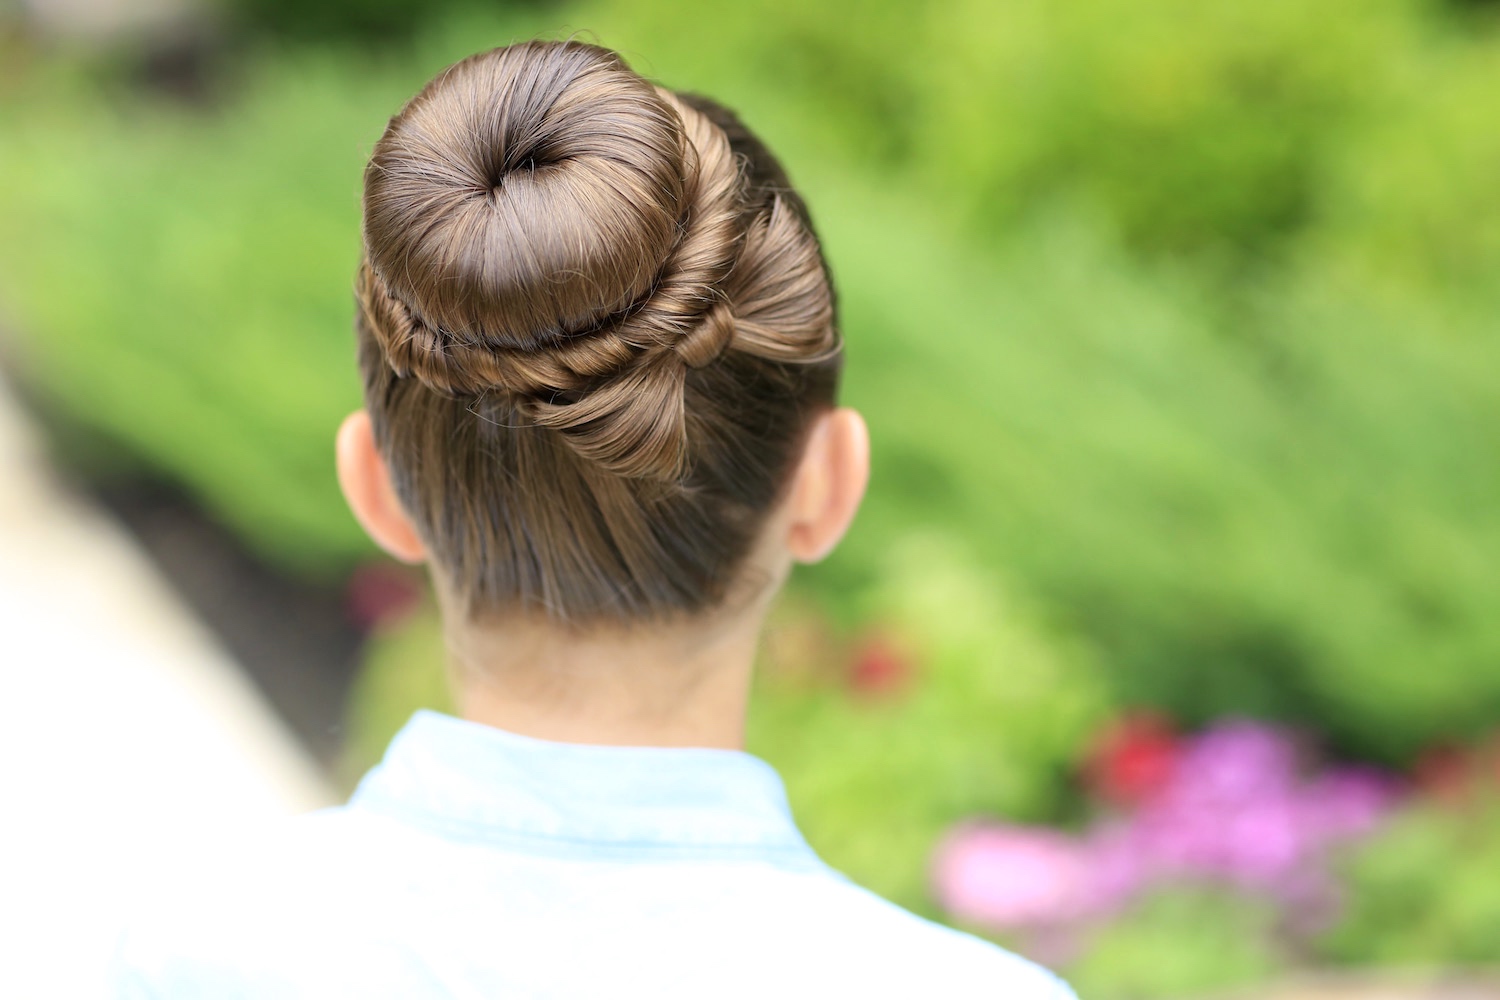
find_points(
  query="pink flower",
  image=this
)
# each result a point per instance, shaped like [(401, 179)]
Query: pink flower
[(1010, 877)]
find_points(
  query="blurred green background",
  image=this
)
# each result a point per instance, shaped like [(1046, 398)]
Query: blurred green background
[(1175, 325)]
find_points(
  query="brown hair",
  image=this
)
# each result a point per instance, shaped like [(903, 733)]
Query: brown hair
[(594, 322)]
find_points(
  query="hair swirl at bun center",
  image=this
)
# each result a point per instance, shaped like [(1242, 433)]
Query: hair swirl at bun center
[(543, 222)]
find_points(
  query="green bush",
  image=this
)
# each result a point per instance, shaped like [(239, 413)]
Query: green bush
[(989, 723), (1425, 891), (1189, 126), (368, 20), (1411, 208), (1284, 517), (1177, 943), (1186, 126)]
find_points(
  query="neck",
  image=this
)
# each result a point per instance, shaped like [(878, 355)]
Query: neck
[(678, 685)]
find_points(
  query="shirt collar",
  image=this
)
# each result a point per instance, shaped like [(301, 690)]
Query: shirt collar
[(478, 782)]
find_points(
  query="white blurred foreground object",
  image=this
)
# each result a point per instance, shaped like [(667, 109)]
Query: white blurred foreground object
[(129, 742)]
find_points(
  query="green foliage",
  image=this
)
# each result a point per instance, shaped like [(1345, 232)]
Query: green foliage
[(1190, 126), (991, 720), (362, 19), (1279, 515), (1186, 126), (1426, 890), (1413, 208), (1177, 943)]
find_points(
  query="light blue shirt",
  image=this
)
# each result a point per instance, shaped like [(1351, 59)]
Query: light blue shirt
[(474, 862)]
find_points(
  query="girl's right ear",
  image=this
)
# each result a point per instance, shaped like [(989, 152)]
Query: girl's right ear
[(366, 483)]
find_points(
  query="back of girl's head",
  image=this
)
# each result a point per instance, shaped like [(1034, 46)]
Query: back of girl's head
[(594, 324)]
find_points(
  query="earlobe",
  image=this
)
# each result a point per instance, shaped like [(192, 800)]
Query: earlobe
[(367, 488), (831, 484)]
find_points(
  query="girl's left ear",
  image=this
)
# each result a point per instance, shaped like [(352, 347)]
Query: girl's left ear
[(830, 483), (366, 483)]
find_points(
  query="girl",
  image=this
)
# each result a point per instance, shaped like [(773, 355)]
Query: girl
[(600, 354)]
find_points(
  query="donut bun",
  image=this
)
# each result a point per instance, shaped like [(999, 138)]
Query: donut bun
[(542, 222)]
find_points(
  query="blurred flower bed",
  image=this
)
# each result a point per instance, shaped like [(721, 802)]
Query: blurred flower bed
[(1165, 646), (1305, 860), (1227, 805)]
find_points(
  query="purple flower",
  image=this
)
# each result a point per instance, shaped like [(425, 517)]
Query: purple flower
[(1264, 840), (1232, 761), (1235, 810), (1349, 801)]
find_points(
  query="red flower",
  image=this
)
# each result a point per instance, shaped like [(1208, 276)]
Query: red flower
[(1457, 774), (879, 666), (1132, 759)]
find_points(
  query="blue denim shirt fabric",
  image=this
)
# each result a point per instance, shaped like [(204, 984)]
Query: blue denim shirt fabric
[(474, 862)]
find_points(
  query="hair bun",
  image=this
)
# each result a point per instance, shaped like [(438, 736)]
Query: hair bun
[(541, 220)]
